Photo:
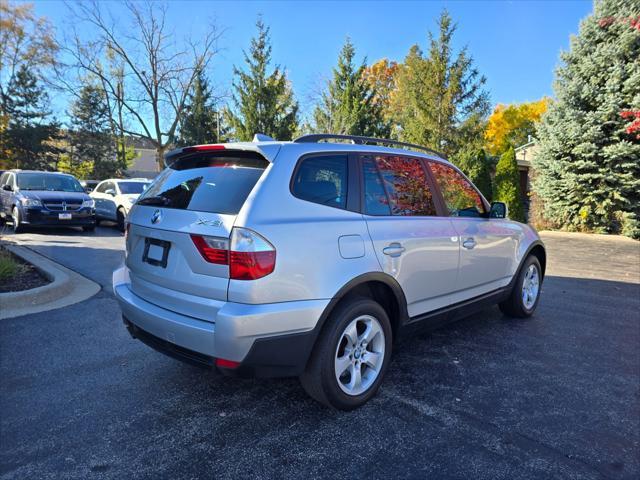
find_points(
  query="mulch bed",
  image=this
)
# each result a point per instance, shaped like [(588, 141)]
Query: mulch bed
[(29, 277)]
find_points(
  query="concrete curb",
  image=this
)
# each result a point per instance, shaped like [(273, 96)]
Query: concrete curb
[(66, 287)]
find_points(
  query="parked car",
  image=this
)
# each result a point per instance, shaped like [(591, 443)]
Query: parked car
[(115, 197), (309, 258), (44, 199), (89, 185)]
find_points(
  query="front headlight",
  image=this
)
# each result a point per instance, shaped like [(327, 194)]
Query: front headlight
[(89, 203), (31, 202)]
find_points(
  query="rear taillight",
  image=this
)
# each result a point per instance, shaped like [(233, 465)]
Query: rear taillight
[(249, 255), (212, 249), (252, 256)]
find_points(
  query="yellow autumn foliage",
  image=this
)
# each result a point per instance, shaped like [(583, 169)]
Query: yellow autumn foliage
[(510, 125)]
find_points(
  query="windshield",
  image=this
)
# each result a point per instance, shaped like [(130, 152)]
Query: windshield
[(127, 188), (50, 182)]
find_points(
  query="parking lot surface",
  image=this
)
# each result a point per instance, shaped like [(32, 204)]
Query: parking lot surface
[(553, 396)]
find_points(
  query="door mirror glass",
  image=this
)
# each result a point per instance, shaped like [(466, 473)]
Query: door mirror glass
[(7, 187), (110, 191), (498, 210)]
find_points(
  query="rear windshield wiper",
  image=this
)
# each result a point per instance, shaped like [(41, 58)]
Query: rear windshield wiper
[(156, 200)]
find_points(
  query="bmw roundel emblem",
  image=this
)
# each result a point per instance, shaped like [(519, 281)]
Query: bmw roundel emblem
[(156, 217)]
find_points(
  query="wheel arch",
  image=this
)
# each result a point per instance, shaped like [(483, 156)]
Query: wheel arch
[(379, 286), (538, 250)]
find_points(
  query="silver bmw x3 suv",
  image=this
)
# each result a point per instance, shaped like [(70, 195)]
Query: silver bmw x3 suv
[(309, 258)]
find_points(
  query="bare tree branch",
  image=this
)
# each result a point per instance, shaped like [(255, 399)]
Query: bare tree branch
[(155, 73)]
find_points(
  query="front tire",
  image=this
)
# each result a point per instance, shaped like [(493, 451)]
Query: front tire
[(15, 215), (120, 219), (526, 291), (351, 355)]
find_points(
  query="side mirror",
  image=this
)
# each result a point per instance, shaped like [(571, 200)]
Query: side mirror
[(7, 187), (111, 192), (88, 189), (498, 210)]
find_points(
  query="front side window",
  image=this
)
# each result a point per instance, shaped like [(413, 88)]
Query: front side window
[(460, 197), (323, 180), (4, 178), (43, 181), (395, 185)]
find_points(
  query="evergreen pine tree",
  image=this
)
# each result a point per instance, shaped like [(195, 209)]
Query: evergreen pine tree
[(475, 165), (29, 136), (588, 163), (506, 186), (264, 103), (90, 134), (348, 105), (200, 122), (440, 101)]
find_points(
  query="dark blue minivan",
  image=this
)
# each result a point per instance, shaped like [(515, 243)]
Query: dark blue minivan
[(44, 199)]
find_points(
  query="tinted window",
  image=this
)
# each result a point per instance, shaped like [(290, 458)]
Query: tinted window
[(375, 198), (132, 187), (42, 181), (396, 185), (460, 197), (205, 184), (323, 180)]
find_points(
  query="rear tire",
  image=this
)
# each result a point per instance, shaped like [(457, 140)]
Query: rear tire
[(15, 215), (120, 219), (524, 297), (351, 356)]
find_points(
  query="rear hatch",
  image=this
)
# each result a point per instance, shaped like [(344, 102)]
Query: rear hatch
[(200, 195)]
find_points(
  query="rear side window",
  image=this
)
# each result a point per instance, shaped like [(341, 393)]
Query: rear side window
[(460, 197), (396, 185), (322, 179), (206, 183)]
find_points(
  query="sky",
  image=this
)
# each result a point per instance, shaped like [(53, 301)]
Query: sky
[(515, 44)]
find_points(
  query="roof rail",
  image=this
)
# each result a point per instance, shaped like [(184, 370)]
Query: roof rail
[(359, 140)]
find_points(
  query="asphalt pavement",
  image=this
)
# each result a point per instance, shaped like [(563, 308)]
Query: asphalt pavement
[(553, 396)]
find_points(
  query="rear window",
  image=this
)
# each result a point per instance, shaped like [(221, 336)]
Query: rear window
[(206, 183)]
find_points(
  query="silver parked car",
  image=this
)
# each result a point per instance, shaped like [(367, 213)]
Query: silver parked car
[(309, 258)]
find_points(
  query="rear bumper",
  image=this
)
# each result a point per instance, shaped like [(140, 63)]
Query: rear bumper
[(267, 340)]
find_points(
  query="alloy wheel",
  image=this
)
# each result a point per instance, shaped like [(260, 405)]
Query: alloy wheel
[(530, 287), (359, 355)]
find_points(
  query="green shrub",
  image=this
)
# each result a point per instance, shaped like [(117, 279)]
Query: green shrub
[(9, 267)]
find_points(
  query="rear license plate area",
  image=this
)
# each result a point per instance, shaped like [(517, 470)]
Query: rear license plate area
[(156, 252)]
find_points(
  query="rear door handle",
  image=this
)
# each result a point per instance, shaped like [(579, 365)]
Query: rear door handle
[(469, 243), (393, 250)]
